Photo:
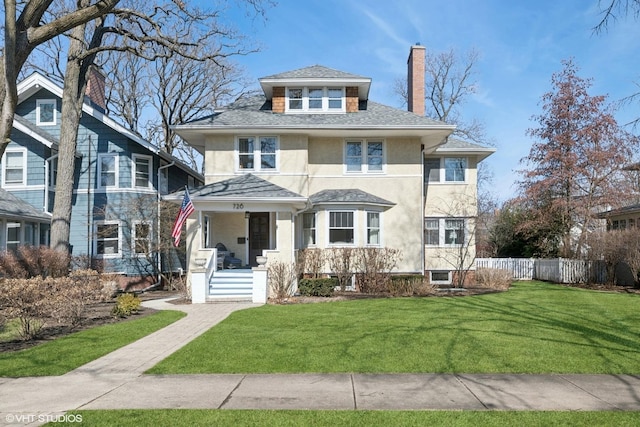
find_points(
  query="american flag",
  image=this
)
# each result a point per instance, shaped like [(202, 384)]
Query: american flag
[(185, 210)]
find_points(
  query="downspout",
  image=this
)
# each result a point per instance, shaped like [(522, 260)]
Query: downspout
[(159, 258), (422, 208)]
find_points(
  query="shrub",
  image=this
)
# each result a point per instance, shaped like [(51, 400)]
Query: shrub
[(494, 278), (341, 264), (282, 280), (126, 305), (317, 287), (374, 266), (33, 261), (310, 262), (28, 300), (410, 284)]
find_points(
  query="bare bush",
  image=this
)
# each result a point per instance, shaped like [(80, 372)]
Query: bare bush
[(34, 261), (310, 263), (410, 285), (494, 278), (38, 300), (282, 280), (374, 266), (341, 261)]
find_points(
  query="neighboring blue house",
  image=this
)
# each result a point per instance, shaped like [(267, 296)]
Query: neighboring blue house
[(118, 179)]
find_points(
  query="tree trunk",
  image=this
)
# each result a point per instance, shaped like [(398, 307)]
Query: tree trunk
[(72, 99)]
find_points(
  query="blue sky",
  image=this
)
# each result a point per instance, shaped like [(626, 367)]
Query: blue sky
[(521, 43)]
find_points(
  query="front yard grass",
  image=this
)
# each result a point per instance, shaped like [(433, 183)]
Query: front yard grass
[(64, 354), (535, 327), (181, 417)]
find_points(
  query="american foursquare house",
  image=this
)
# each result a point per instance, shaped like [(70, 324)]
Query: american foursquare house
[(314, 163), (118, 179)]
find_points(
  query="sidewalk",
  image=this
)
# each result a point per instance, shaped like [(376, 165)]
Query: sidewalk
[(116, 381)]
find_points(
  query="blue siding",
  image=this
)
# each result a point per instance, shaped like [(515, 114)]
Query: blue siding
[(91, 203)]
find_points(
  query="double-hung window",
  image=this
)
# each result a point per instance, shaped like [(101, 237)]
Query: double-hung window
[(46, 112), (341, 228), (444, 231), (446, 169), (142, 171), (315, 98), (432, 232), (108, 239), (364, 156), (108, 170), (295, 98), (309, 229), (15, 167), (13, 236), (141, 238), (257, 153), (373, 228), (335, 98)]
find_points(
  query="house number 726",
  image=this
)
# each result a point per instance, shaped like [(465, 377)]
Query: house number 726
[(238, 206)]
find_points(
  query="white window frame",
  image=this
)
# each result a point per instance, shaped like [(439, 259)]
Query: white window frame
[(16, 243), (442, 170), (135, 238), (428, 228), (257, 154), (163, 184), (96, 239), (39, 103), (116, 161), (440, 282), (365, 163), (354, 227), (370, 228), (311, 231), (23, 153), (442, 231), (134, 170), (326, 99), (53, 172)]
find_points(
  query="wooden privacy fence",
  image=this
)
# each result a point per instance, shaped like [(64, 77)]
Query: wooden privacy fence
[(558, 270)]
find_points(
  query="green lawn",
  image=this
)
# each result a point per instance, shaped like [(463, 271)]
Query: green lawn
[(180, 417), (67, 353), (533, 328)]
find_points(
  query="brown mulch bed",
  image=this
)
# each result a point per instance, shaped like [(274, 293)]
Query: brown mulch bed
[(95, 315)]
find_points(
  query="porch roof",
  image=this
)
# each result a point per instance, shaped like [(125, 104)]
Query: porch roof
[(348, 196), (248, 189), (13, 207)]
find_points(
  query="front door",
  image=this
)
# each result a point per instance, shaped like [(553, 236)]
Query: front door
[(258, 235)]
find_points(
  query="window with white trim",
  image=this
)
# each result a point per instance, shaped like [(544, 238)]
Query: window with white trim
[(14, 167), (315, 99), (341, 228), (444, 231), (364, 156), (440, 277), (432, 232), (107, 239), (108, 170), (46, 112), (373, 228), (257, 153), (13, 236), (445, 169), (53, 172), (309, 229), (142, 167), (163, 185), (141, 237)]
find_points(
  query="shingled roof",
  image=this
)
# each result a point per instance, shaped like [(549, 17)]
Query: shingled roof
[(314, 72), (256, 112), (13, 207), (244, 186), (348, 196)]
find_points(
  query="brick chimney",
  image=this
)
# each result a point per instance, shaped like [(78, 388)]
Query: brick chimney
[(415, 79), (95, 89)]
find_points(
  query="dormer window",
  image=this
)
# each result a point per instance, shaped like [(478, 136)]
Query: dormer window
[(315, 100)]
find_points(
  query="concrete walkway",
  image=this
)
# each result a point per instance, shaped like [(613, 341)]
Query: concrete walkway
[(116, 381)]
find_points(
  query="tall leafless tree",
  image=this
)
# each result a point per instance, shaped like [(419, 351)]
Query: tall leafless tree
[(25, 28)]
